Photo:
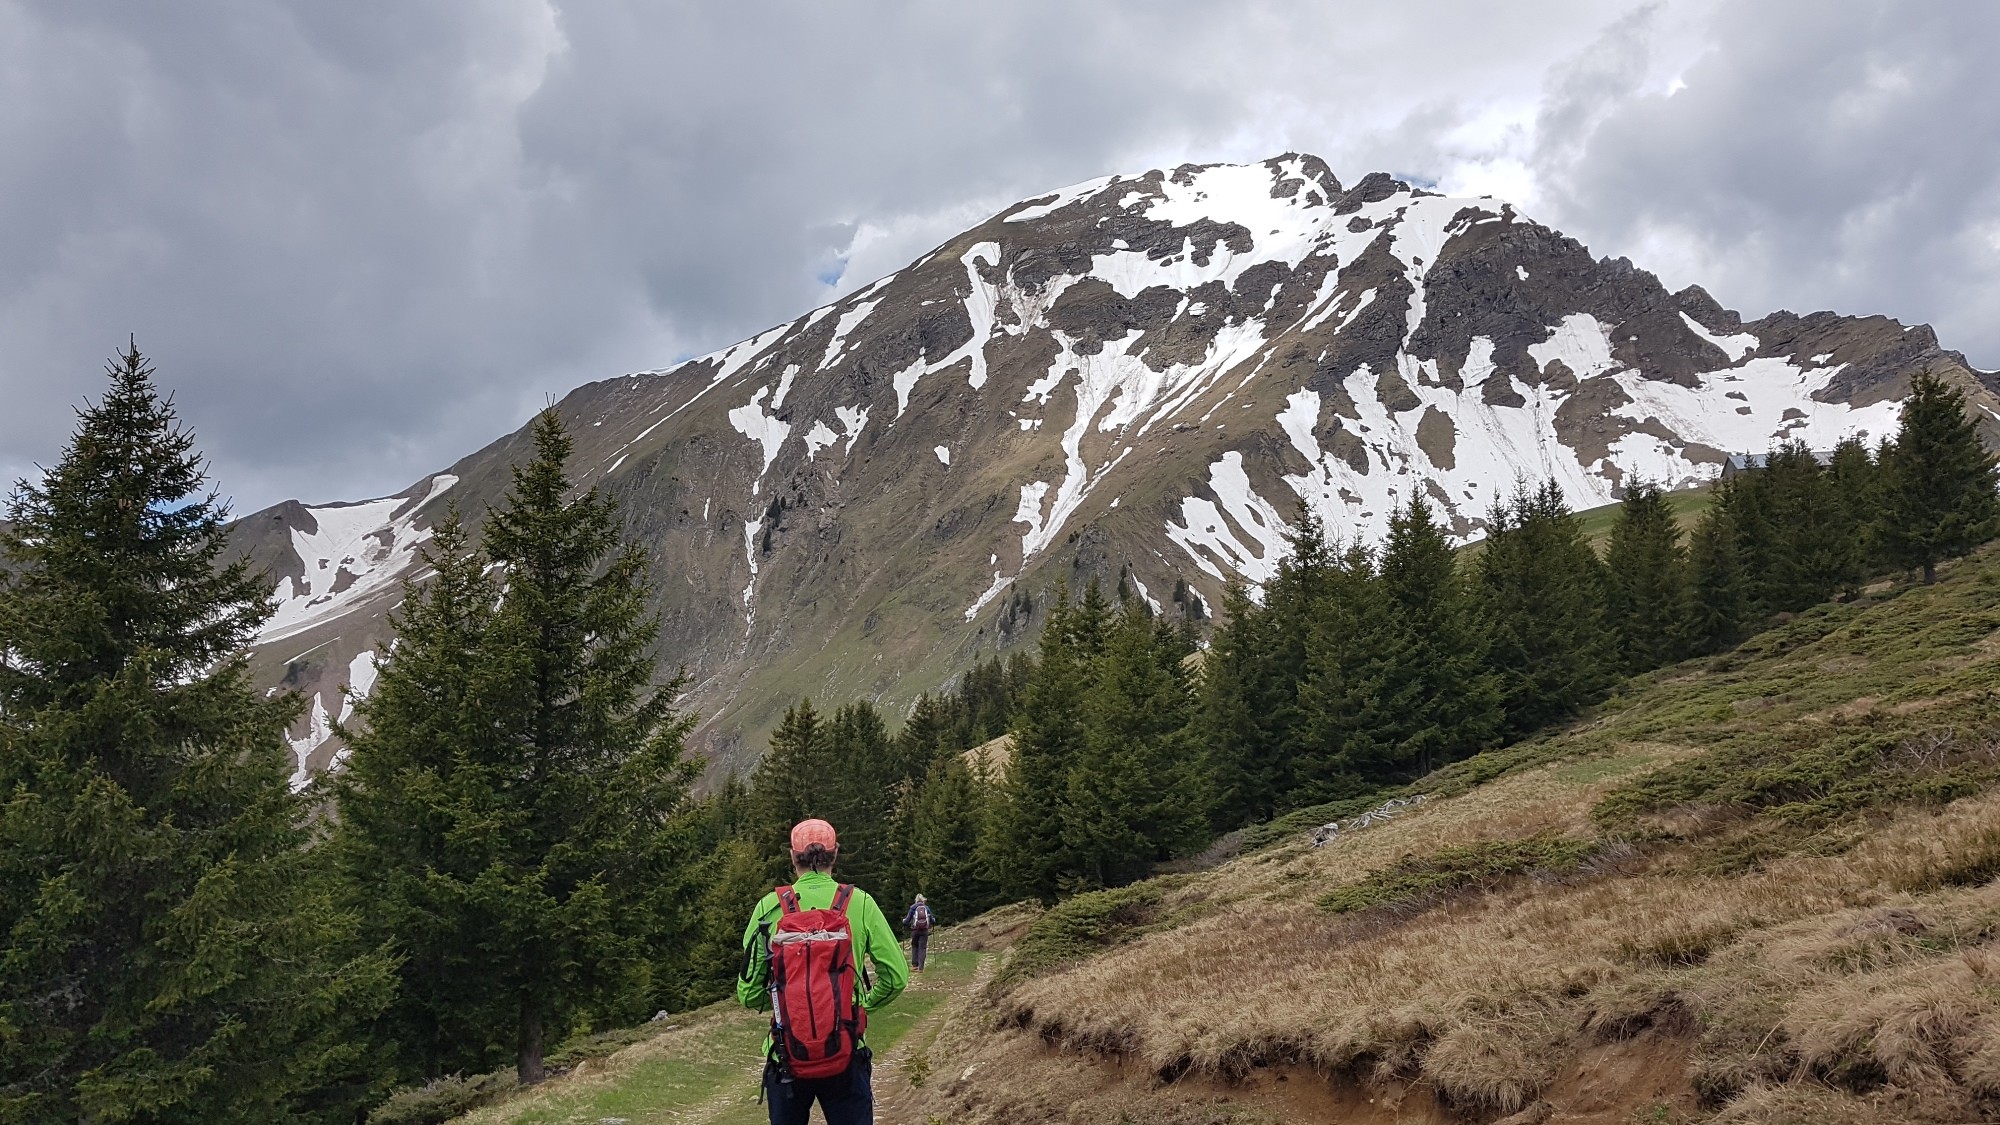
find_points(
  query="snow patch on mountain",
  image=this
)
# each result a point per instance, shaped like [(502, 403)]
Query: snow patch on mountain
[(1214, 532), (319, 729), (784, 386), (1735, 409), (765, 429), (1580, 342), (730, 360), (1061, 199), (360, 680), (851, 421), (353, 552), (848, 322), (1735, 347), (750, 530), (1419, 234), (979, 306), (1145, 593), (818, 438)]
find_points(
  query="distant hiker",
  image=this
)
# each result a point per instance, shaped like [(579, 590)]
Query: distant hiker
[(917, 919), (803, 955)]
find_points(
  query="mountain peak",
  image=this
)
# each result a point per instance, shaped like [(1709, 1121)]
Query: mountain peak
[(1147, 375)]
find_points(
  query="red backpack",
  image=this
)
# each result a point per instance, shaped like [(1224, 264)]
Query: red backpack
[(815, 1023)]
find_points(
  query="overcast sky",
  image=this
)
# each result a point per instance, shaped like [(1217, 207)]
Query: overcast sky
[(361, 239)]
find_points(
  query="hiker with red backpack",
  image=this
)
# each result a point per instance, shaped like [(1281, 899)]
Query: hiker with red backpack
[(804, 955), (918, 919)]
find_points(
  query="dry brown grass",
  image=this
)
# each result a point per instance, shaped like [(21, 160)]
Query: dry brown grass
[(1854, 969), (1554, 798)]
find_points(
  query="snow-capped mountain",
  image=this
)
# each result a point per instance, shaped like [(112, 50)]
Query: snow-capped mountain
[(1140, 375)]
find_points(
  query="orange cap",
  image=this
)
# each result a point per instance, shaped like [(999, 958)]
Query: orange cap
[(806, 833)]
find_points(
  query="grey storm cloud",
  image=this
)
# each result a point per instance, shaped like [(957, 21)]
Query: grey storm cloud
[(362, 239), (1842, 156)]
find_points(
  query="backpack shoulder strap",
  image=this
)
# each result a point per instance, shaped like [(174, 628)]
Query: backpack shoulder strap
[(788, 900), (840, 898)]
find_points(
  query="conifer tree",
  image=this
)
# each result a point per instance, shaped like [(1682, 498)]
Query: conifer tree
[(558, 810), (1133, 795), (1343, 694), (1250, 719), (948, 818), (1646, 581), (701, 967), (1856, 481), (1938, 482), (867, 790), (1542, 590), (1438, 698), (1717, 604), (415, 758), (787, 786), (1241, 695), (924, 734), (168, 951), (1314, 572), (1048, 742), (1797, 534)]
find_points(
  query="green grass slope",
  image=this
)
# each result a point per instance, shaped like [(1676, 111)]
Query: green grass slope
[(1754, 887)]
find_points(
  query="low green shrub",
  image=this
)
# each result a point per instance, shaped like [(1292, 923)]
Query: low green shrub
[(1300, 821), (1416, 877), (1810, 776), (600, 1045), (1080, 927), (442, 1099)]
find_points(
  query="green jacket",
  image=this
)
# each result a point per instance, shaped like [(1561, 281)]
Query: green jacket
[(874, 943)]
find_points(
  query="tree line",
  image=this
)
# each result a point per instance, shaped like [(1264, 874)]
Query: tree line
[(513, 853)]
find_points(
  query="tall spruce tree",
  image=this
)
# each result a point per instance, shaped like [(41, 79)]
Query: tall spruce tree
[(1027, 841), (1796, 532), (559, 807), (1542, 593), (1717, 603), (869, 791), (1134, 794), (1646, 581), (788, 784), (1440, 700), (417, 758), (943, 863), (1343, 695), (168, 951), (1242, 697), (1856, 481), (1250, 721), (926, 734), (1938, 481)]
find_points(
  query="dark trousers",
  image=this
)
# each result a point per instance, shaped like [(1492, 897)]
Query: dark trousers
[(845, 1099), (920, 944)]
